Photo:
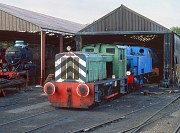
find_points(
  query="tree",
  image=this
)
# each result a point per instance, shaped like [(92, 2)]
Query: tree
[(175, 29)]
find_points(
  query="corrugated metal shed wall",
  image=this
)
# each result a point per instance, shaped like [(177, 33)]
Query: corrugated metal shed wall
[(44, 21), (9, 22), (123, 19)]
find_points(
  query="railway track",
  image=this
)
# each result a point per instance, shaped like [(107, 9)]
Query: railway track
[(7, 102), (148, 120), (177, 130), (27, 117), (53, 122), (27, 98), (20, 103), (93, 127), (132, 129), (45, 125)]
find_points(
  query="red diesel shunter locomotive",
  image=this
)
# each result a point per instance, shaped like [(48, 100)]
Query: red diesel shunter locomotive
[(98, 73)]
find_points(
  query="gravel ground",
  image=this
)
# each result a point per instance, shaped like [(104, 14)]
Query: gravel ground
[(58, 120)]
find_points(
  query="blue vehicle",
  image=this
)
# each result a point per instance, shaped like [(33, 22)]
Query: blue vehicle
[(139, 64)]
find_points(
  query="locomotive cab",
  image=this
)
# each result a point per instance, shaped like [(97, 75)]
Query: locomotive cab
[(118, 64)]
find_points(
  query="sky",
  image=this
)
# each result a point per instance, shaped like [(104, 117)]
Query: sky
[(164, 12)]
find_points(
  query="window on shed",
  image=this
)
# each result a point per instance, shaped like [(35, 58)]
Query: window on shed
[(89, 50), (121, 54), (110, 50)]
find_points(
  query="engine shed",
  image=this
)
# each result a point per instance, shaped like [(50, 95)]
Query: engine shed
[(45, 35), (127, 27)]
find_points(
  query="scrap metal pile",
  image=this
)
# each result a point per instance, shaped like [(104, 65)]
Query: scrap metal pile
[(15, 83)]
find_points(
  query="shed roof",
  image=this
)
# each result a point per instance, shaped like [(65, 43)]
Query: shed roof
[(123, 19), (42, 21)]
